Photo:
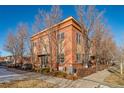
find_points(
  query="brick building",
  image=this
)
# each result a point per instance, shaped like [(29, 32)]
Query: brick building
[(68, 49)]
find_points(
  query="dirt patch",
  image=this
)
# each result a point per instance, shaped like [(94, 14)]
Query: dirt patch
[(27, 84)]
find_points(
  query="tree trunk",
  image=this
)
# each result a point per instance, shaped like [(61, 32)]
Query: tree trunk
[(121, 68)]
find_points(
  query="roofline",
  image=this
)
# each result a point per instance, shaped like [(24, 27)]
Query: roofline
[(65, 20)]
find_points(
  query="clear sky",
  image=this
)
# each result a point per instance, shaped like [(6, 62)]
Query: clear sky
[(10, 16)]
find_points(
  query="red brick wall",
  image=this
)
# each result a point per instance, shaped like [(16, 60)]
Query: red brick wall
[(69, 28)]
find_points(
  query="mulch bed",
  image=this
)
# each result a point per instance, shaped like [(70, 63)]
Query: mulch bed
[(88, 71)]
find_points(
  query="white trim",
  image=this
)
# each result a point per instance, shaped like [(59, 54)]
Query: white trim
[(46, 29)]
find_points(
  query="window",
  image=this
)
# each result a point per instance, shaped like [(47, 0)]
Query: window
[(60, 36), (44, 60), (78, 38), (34, 44), (78, 57), (61, 58)]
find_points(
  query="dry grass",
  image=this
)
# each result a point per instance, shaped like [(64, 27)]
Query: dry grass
[(27, 84), (115, 79)]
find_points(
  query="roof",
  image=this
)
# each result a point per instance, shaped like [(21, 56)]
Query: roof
[(67, 19)]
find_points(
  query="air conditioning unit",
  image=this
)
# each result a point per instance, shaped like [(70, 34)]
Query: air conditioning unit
[(61, 68)]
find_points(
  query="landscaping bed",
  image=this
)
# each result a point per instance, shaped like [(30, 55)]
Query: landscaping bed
[(58, 74), (80, 72), (88, 71)]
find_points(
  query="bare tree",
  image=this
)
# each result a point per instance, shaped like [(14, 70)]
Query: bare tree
[(49, 19), (22, 32), (16, 44), (12, 46), (120, 58), (97, 37), (105, 48), (88, 16)]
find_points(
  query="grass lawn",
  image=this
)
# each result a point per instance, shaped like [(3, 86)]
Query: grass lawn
[(27, 84)]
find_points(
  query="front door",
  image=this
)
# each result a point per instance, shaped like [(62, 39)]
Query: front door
[(44, 61)]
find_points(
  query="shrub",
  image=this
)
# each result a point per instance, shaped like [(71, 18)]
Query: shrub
[(60, 74), (71, 77), (36, 69), (45, 70)]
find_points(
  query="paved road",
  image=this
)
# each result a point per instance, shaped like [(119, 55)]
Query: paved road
[(4, 72), (91, 81), (8, 76), (5, 75)]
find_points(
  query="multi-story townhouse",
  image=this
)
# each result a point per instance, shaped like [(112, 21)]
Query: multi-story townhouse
[(63, 42)]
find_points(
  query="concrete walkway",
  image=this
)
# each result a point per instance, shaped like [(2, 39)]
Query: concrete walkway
[(64, 83), (99, 76)]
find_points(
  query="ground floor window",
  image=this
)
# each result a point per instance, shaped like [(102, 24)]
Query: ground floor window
[(61, 58), (44, 60), (78, 57)]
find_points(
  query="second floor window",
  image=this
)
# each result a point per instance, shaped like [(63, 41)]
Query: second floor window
[(60, 36), (78, 38), (34, 44)]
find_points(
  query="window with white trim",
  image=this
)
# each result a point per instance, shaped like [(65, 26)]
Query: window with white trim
[(78, 57), (61, 58), (78, 38), (60, 36)]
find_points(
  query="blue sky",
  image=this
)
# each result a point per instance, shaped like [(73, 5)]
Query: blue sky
[(10, 16)]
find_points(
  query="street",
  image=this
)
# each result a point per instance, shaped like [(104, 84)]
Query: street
[(8, 75), (5, 73)]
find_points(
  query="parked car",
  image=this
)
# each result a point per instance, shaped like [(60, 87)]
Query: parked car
[(11, 65), (18, 65), (9, 62), (27, 66), (0, 63), (3, 63)]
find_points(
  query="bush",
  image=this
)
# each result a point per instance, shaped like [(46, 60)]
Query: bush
[(71, 77), (60, 74), (45, 70), (36, 69)]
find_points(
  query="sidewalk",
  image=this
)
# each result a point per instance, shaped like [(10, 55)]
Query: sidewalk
[(91, 81), (99, 76)]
